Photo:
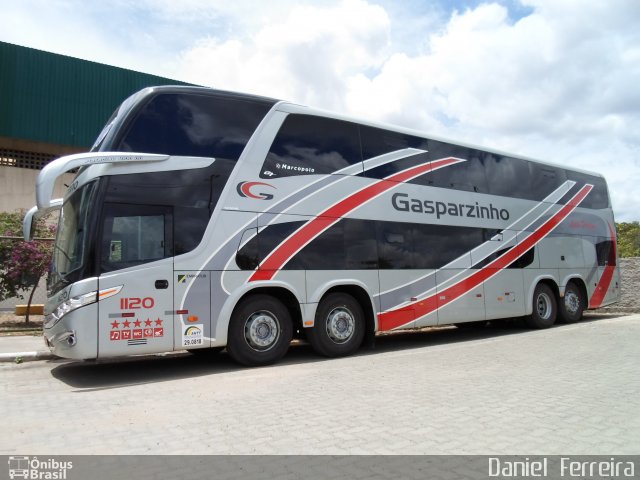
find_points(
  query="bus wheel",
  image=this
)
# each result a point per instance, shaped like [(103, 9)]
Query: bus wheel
[(260, 331), (544, 308), (339, 326), (572, 305)]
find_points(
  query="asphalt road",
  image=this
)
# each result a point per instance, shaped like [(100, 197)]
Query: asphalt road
[(572, 389)]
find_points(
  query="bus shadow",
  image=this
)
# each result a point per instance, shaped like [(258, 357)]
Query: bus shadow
[(130, 371)]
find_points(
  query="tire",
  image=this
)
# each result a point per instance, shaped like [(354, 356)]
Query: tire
[(572, 304), (545, 308), (260, 331), (339, 326)]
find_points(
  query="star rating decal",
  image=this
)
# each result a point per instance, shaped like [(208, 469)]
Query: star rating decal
[(153, 329)]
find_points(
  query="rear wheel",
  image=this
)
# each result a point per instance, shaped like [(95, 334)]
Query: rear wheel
[(544, 308), (339, 326), (260, 331), (572, 304)]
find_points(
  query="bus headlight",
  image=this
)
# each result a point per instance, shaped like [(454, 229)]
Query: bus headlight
[(68, 306), (80, 301)]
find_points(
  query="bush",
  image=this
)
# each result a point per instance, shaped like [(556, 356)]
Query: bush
[(22, 264)]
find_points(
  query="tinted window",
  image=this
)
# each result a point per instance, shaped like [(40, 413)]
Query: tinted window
[(194, 125), (545, 179), (423, 246), (377, 142), (253, 252), (192, 194), (307, 145), (438, 245), (468, 175), (509, 177), (326, 252), (360, 244), (133, 235), (605, 252), (395, 245), (349, 244), (598, 196)]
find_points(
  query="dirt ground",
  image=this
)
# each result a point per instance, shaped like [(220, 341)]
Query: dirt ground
[(13, 324)]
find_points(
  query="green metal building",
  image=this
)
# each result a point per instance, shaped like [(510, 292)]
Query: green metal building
[(53, 105)]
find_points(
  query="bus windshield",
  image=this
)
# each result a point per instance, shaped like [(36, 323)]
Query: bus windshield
[(70, 251)]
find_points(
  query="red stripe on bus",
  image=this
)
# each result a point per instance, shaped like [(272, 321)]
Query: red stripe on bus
[(605, 281), (305, 234), (394, 319)]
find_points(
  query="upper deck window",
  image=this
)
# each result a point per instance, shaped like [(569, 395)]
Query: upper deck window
[(194, 125), (308, 145)]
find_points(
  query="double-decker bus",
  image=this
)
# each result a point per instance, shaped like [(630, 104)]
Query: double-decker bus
[(203, 220)]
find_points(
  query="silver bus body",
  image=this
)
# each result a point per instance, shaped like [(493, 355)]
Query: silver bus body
[(204, 219)]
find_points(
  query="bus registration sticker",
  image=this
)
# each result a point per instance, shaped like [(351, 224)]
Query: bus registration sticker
[(192, 335)]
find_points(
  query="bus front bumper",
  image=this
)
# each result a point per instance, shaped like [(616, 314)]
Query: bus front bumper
[(75, 335)]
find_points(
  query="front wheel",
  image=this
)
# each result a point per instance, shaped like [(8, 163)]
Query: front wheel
[(260, 331), (544, 308), (339, 326), (572, 304)]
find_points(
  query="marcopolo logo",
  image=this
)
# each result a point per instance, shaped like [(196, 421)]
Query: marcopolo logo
[(33, 468), (254, 190), (403, 203)]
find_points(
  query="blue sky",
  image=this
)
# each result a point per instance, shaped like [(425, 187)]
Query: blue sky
[(555, 80)]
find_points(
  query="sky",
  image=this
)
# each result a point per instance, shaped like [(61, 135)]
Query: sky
[(555, 80)]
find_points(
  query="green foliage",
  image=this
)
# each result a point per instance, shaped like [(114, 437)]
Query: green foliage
[(628, 239), (22, 263)]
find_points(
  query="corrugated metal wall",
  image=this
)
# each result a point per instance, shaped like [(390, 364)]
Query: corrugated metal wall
[(62, 100)]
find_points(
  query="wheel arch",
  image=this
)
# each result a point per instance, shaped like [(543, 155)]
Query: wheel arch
[(278, 290), (579, 282), (363, 297), (547, 280), (286, 296)]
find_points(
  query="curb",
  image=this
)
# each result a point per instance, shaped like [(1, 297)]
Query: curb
[(19, 357)]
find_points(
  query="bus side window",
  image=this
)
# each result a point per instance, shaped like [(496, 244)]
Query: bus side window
[(377, 142), (468, 176), (545, 179), (395, 241), (508, 177), (598, 197), (309, 145), (247, 257)]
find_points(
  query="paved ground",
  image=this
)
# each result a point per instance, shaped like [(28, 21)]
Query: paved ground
[(569, 390)]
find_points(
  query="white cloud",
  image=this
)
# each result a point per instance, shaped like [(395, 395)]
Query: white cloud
[(306, 56), (557, 82)]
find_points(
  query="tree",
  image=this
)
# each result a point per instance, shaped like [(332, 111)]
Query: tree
[(22, 264), (628, 239)]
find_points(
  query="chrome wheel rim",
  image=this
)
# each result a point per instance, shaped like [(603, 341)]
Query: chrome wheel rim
[(543, 306), (571, 302), (261, 330), (340, 325)]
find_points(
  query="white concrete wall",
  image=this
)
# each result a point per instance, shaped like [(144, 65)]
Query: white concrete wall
[(18, 188)]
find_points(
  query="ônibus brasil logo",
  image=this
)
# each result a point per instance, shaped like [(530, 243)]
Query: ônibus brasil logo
[(32, 468), (251, 190)]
